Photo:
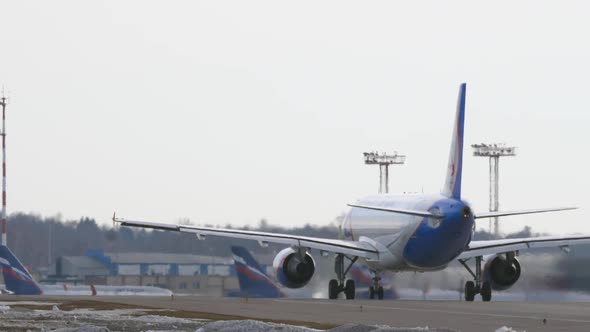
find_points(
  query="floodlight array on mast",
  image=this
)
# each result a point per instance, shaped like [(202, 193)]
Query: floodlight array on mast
[(494, 152), (384, 160)]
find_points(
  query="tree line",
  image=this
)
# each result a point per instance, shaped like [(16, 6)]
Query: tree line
[(38, 241)]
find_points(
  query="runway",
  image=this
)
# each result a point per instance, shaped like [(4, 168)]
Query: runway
[(475, 316)]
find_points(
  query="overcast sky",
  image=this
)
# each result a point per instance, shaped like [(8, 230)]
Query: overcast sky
[(233, 111)]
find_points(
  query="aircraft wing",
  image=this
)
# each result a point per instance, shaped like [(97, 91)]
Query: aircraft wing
[(490, 247), (353, 248)]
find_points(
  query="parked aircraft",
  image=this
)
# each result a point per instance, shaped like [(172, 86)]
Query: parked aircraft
[(414, 232), (255, 283), (20, 282)]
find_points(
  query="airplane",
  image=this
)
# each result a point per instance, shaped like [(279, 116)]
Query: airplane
[(410, 232), (20, 282)]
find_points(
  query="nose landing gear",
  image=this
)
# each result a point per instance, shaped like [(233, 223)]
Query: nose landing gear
[(376, 289), (475, 287)]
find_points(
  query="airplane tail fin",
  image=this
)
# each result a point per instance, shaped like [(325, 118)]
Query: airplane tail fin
[(253, 281), (17, 279), (452, 186)]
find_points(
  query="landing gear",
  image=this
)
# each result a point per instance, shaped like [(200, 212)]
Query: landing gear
[(350, 290), (469, 291), (475, 287), (376, 289), (333, 289), (337, 286), (486, 292)]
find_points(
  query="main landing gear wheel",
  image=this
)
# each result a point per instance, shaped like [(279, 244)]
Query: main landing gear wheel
[(380, 293), (469, 291), (371, 292), (486, 292), (349, 290), (475, 287), (333, 289), (337, 286)]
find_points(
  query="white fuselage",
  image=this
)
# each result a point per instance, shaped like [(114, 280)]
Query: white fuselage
[(407, 242)]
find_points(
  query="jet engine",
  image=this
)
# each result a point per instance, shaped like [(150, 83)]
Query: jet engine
[(501, 271), (293, 269)]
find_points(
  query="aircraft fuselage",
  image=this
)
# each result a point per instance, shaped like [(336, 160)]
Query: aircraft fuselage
[(407, 242)]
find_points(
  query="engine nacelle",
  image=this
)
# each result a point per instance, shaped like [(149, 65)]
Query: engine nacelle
[(501, 272), (292, 270)]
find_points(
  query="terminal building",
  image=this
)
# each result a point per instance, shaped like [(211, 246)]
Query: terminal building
[(180, 273)]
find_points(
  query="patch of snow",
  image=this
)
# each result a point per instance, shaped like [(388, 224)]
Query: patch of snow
[(351, 327), (161, 319), (88, 320), (4, 308), (383, 328), (507, 329), (85, 328), (249, 326), (27, 303)]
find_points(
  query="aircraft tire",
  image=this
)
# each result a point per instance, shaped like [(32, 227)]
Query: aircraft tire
[(469, 291), (380, 293), (333, 289), (486, 292), (371, 292), (349, 290)]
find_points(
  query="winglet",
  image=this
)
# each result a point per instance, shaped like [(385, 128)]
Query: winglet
[(452, 186)]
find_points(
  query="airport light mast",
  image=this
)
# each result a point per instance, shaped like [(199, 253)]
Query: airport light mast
[(4, 220), (494, 152), (384, 160)]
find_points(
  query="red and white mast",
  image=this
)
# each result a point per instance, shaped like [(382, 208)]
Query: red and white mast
[(4, 220)]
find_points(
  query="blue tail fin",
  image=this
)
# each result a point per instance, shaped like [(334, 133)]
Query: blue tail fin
[(452, 186), (253, 281), (17, 279)]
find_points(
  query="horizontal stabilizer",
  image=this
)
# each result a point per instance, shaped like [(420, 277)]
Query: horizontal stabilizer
[(400, 211), (490, 247), (515, 213)]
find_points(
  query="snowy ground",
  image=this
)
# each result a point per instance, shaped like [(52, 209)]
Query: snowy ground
[(23, 318), (45, 316)]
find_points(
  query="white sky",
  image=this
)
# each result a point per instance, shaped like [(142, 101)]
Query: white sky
[(230, 111)]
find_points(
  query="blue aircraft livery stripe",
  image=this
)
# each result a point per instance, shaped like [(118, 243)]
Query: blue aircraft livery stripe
[(16, 277), (460, 135)]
